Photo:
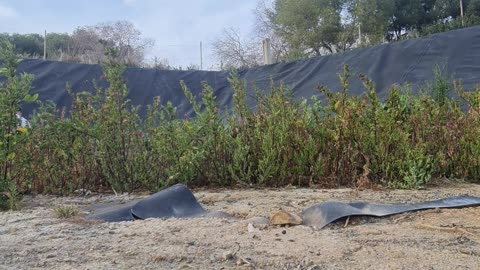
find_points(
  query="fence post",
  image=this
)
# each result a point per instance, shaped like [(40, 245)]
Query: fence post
[(461, 11), (267, 52), (45, 46)]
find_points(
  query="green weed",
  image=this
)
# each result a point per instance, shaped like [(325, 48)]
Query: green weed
[(66, 212)]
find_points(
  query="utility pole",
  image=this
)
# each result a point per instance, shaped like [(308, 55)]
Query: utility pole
[(461, 11), (201, 56), (45, 46)]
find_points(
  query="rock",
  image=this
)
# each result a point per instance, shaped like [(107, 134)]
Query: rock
[(227, 256), (252, 229), (285, 218)]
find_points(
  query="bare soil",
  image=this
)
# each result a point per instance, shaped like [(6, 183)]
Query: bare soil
[(34, 238)]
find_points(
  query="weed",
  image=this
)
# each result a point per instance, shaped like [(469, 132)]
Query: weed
[(66, 212)]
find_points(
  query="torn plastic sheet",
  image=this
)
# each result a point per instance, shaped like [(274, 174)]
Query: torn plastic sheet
[(323, 214), (179, 202)]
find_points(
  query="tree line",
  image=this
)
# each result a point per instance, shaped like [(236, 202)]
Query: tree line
[(304, 28), (86, 44), (296, 29)]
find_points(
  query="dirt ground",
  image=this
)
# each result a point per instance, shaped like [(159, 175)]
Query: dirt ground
[(33, 238)]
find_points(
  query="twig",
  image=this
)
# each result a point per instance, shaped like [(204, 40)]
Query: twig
[(443, 229), (346, 223)]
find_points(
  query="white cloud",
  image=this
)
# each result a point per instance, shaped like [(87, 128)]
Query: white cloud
[(7, 12)]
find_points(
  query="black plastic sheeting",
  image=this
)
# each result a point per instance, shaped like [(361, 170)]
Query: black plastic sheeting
[(323, 214), (410, 61), (174, 202), (115, 213), (179, 202)]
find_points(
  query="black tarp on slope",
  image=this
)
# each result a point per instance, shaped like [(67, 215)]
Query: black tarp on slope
[(410, 61)]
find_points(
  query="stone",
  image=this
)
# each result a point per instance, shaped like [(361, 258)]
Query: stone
[(227, 256), (252, 229), (49, 256), (285, 218)]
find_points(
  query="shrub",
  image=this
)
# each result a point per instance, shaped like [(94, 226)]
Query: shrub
[(13, 92), (403, 141)]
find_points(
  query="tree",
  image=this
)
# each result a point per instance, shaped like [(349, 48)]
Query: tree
[(310, 26), (235, 52), (443, 9), (472, 8), (90, 42), (372, 17), (264, 28), (405, 17), (30, 45), (58, 46), (126, 39), (86, 47)]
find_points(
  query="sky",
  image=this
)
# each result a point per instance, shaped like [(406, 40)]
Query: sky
[(177, 26)]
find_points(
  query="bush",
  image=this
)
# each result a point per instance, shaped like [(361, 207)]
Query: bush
[(13, 92), (402, 142)]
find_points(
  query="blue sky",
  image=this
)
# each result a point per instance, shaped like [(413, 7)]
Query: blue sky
[(177, 26)]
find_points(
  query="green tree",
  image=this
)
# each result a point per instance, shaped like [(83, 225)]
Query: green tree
[(473, 8), (25, 44), (373, 17), (58, 46), (442, 9), (407, 15), (311, 27)]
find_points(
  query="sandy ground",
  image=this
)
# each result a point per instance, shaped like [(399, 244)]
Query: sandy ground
[(33, 238)]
